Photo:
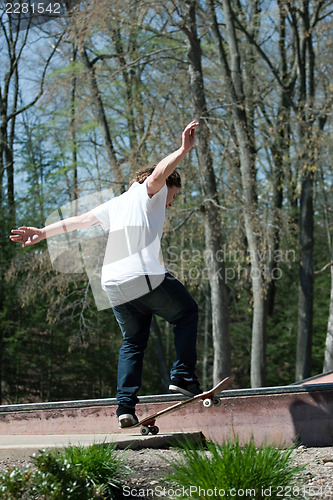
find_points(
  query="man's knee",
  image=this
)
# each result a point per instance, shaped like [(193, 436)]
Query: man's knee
[(190, 313), (194, 309)]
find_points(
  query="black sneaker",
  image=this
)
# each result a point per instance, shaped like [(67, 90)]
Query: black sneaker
[(126, 416), (186, 387)]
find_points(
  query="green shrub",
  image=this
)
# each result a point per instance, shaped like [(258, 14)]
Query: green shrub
[(74, 473), (15, 483), (234, 471)]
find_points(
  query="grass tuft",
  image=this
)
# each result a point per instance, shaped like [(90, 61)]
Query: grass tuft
[(234, 471), (73, 473)]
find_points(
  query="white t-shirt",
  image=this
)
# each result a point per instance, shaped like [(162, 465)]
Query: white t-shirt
[(135, 224)]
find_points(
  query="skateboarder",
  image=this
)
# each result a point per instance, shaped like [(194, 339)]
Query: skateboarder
[(136, 283)]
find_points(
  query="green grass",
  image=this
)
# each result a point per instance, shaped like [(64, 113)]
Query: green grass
[(234, 471), (74, 473), (199, 472)]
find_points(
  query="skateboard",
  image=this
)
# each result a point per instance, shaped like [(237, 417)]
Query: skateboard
[(208, 399)]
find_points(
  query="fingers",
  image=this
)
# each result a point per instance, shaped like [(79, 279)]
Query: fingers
[(20, 239), (19, 235), (20, 230), (192, 125), (189, 131), (17, 239)]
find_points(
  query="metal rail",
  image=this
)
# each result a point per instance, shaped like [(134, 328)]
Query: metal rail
[(165, 398)]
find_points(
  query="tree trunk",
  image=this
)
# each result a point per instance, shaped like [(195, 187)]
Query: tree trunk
[(75, 190), (280, 155), (306, 66), (234, 88), (328, 359), (160, 356), (305, 305), (206, 382), (213, 241)]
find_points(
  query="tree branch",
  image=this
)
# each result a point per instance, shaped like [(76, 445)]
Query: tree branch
[(323, 269), (40, 93)]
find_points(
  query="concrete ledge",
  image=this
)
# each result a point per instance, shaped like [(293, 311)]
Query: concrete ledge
[(22, 447)]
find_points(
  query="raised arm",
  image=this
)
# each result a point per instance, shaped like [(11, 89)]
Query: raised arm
[(32, 235), (166, 166)]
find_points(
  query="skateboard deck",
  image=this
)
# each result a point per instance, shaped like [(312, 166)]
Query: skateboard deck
[(208, 399)]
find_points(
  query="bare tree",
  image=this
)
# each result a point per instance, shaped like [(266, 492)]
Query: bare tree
[(298, 91), (328, 357), (213, 239), (327, 204), (232, 71), (304, 20), (14, 44), (101, 117)]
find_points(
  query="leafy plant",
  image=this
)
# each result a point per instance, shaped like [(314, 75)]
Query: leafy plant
[(15, 483), (234, 471), (74, 473)]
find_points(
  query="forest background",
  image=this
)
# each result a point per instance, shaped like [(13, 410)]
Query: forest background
[(106, 88)]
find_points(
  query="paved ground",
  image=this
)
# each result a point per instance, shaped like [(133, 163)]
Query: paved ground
[(17, 447)]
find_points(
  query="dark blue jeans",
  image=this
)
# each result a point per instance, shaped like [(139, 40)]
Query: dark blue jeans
[(171, 301)]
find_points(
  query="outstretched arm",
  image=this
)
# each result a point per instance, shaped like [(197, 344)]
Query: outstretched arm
[(166, 166), (31, 235)]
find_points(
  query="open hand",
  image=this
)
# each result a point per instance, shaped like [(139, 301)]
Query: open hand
[(27, 235), (189, 135)]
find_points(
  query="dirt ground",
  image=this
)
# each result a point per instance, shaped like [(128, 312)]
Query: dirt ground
[(147, 467)]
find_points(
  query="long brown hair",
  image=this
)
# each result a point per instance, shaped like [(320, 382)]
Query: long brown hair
[(140, 176)]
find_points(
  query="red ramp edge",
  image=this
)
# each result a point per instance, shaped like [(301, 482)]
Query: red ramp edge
[(278, 415)]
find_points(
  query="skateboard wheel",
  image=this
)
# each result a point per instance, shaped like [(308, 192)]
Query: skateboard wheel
[(154, 429), (144, 431), (207, 403), (216, 402)]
